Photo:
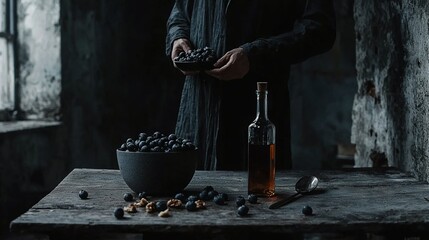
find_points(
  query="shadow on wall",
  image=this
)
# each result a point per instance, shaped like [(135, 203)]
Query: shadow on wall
[(117, 80), (322, 91)]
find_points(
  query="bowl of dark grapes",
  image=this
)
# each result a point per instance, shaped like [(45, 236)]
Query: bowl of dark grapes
[(199, 59), (157, 163)]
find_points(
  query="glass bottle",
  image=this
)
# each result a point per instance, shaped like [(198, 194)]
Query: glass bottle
[(261, 148)]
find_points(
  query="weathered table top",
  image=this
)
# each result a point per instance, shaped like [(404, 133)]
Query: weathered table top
[(349, 200)]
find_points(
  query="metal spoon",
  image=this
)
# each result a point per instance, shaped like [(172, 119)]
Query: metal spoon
[(304, 185)]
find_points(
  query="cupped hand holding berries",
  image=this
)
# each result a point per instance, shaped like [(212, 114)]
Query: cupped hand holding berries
[(233, 65), (181, 45)]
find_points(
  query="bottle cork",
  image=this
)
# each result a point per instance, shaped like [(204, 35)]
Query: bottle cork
[(261, 86)]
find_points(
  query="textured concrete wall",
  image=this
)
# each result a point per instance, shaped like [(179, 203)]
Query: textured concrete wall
[(39, 58), (390, 112)]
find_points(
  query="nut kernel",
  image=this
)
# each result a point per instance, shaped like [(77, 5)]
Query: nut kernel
[(175, 203), (165, 213), (151, 207), (131, 208), (142, 203), (200, 204)]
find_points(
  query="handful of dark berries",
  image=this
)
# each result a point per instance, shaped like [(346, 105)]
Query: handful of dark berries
[(196, 59), (157, 142)]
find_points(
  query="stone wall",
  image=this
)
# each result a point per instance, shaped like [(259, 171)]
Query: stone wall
[(391, 107)]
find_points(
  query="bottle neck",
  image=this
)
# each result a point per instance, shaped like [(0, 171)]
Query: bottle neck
[(261, 106)]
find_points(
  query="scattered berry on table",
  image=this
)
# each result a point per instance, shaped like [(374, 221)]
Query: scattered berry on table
[(83, 194), (192, 198), (252, 198), (142, 195), (218, 199), (204, 195), (161, 205), (243, 210), (119, 213), (224, 196), (240, 201), (208, 188), (307, 210), (191, 206), (128, 197), (181, 197), (212, 194)]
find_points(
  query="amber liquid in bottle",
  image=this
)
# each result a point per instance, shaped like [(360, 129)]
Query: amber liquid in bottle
[(262, 170), (261, 148)]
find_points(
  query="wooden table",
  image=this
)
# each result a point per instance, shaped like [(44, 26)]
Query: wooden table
[(347, 201)]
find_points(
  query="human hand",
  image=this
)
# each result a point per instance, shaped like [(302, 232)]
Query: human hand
[(233, 65), (181, 45)]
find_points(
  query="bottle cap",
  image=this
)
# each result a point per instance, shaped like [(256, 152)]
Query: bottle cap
[(261, 86)]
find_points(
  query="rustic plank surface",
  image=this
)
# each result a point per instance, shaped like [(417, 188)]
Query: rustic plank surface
[(345, 201)]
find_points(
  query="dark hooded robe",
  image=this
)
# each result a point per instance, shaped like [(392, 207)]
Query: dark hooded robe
[(274, 34)]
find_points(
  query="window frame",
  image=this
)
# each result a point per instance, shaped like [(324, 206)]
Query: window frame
[(8, 101)]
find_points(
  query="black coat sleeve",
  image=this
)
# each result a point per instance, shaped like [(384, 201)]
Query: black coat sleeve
[(178, 23), (313, 33)]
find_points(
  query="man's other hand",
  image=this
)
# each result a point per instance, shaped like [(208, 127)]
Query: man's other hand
[(233, 65)]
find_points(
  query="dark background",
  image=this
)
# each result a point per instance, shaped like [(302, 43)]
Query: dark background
[(117, 81)]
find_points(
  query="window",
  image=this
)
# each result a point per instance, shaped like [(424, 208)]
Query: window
[(30, 60), (30, 64), (7, 69)]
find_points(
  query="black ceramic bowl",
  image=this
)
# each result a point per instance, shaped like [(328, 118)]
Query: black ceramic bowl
[(194, 66), (157, 173)]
